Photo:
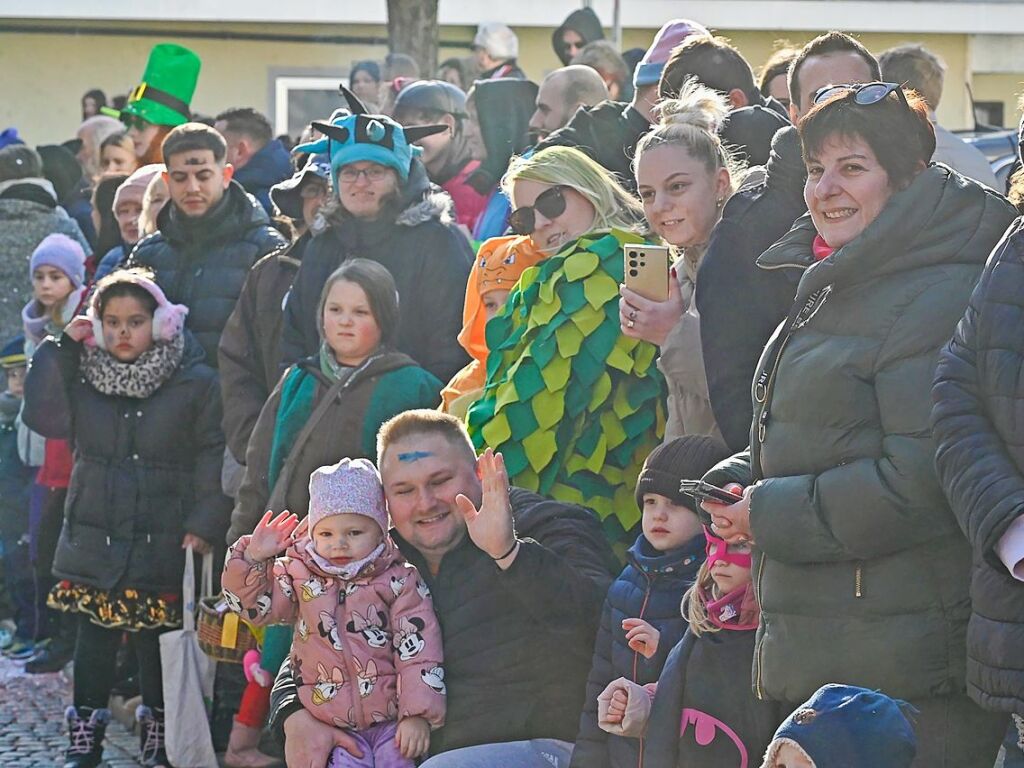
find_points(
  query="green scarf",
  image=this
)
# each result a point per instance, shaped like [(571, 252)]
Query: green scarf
[(298, 393), (573, 404)]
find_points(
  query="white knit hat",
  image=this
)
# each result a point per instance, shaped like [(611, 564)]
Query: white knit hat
[(497, 39)]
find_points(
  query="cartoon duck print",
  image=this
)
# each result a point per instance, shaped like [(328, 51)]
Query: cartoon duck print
[(327, 685), (312, 588), (366, 677)]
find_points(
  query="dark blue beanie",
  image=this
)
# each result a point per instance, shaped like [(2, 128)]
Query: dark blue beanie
[(843, 726)]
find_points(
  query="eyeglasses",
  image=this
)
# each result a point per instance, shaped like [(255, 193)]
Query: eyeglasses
[(312, 189), (864, 94), (550, 204), (350, 175)]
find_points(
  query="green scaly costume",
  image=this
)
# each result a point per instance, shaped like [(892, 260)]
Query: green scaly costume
[(573, 405)]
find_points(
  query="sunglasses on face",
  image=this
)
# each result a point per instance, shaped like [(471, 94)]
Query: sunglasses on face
[(550, 204), (133, 121), (863, 94)]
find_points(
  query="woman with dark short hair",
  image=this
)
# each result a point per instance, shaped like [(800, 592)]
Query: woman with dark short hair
[(860, 567)]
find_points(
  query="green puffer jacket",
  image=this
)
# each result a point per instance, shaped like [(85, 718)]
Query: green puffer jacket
[(861, 570)]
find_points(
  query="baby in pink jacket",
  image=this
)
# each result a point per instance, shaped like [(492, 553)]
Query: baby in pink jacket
[(366, 653)]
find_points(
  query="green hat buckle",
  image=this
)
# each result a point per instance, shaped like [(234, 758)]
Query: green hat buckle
[(165, 93)]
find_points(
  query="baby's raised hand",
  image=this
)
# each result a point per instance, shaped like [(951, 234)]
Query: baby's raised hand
[(641, 637), (272, 536), (413, 737)]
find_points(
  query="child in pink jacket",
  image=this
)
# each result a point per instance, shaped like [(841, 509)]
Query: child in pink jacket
[(366, 652)]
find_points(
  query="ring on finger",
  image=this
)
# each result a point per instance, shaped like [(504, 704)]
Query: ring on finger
[(630, 324), (632, 314)]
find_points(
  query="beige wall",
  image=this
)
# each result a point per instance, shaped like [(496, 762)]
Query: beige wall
[(1006, 88), (57, 68)]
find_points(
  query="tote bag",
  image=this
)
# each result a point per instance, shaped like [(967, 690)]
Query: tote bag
[(188, 679)]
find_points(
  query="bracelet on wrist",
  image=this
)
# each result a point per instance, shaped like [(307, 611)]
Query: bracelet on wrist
[(515, 543)]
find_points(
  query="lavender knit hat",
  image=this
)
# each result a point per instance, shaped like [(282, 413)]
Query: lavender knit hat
[(352, 486), (63, 253)]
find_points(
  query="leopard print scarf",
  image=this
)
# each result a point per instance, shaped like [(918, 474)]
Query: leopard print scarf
[(139, 379)]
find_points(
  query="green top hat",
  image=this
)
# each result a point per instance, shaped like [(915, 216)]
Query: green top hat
[(163, 96)]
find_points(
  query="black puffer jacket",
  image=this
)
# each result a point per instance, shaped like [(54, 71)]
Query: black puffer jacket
[(202, 263), (650, 587), (429, 259), (146, 471), (979, 437), (517, 643), (739, 303), (607, 132)]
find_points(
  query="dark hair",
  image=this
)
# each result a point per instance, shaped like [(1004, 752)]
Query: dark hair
[(191, 137), (19, 161), (822, 45), (247, 122), (96, 95), (109, 234), (119, 138), (114, 286), (902, 139), (379, 287), (459, 65), (777, 64), (369, 66), (713, 62)]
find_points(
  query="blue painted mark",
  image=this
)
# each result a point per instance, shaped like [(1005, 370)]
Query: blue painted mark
[(414, 455)]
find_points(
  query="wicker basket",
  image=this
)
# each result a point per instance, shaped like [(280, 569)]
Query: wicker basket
[(223, 636)]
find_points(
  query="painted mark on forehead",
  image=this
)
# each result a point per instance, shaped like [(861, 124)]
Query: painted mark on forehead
[(414, 456)]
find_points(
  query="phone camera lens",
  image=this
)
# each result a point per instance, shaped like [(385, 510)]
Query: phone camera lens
[(633, 273), (632, 262)]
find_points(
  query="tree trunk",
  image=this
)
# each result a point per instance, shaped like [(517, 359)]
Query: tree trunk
[(413, 30)]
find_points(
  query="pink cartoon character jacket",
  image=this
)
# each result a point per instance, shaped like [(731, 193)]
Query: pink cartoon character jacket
[(367, 646)]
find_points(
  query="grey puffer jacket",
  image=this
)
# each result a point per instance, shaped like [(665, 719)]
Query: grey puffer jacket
[(980, 439), (861, 569), (28, 213)]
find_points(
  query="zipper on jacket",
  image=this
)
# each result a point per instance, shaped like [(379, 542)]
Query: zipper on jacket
[(858, 580), (758, 662)]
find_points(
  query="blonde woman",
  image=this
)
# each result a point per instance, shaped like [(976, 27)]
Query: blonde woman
[(153, 202), (684, 177), (573, 405)]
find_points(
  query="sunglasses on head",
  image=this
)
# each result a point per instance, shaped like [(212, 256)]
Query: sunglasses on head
[(550, 204), (864, 94)]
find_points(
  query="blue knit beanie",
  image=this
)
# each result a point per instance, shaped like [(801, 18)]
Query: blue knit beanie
[(843, 726), (62, 252)]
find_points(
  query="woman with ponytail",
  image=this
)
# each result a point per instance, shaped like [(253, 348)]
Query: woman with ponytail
[(684, 177)]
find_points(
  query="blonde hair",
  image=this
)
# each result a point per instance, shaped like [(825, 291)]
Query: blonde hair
[(695, 609), (147, 218), (424, 421), (613, 205), (692, 121), (1016, 192)]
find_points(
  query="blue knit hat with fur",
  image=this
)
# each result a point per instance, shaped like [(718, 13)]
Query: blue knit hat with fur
[(843, 726)]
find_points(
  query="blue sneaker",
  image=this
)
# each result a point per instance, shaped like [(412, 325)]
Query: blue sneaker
[(20, 650)]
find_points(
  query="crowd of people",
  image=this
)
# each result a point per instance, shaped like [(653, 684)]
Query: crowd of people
[(482, 503)]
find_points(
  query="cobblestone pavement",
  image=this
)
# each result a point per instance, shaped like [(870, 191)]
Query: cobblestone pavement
[(32, 727)]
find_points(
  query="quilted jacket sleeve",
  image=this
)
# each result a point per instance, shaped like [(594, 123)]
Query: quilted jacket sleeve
[(981, 479)]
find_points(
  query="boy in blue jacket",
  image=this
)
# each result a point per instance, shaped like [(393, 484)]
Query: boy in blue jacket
[(641, 621)]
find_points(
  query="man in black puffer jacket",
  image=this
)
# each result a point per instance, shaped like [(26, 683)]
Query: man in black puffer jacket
[(209, 236), (980, 458), (518, 619)]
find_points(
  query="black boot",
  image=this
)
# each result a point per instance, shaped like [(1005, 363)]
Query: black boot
[(86, 728), (152, 752)]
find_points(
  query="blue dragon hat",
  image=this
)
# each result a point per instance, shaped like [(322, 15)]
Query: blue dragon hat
[(350, 138)]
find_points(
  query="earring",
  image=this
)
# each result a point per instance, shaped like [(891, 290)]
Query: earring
[(719, 201)]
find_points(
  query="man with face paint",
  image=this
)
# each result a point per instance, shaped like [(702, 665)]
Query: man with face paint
[(517, 582), (209, 236)]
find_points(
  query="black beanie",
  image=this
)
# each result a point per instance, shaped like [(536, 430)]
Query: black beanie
[(685, 458)]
